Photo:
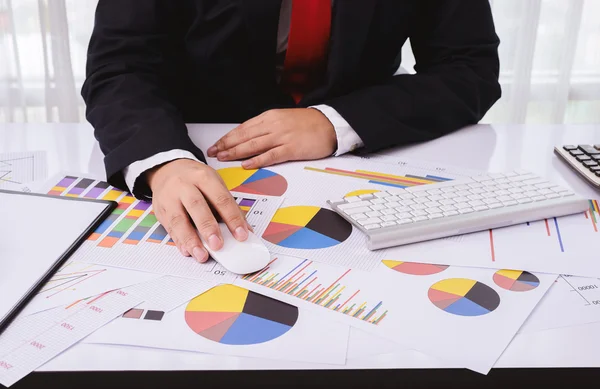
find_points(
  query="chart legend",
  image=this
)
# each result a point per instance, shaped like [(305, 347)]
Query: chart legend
[(232, 315)]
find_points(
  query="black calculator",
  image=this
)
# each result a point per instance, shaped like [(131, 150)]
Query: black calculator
[(584, 159)]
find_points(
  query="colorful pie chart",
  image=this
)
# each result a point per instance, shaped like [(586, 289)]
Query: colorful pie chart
[(307, 227), (464, 297), (413, 268), (232, 315), (256, 181), (516, 280)]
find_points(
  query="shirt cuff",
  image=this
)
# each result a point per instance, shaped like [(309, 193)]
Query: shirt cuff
[(347, 139), (136, 169)]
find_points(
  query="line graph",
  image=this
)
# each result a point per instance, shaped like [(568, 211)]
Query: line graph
[(21, 168)]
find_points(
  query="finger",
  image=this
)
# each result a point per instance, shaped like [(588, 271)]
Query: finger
[(184, 234), (274, 156), (202, 216), (249, 148), (220, 198), (240, 134)]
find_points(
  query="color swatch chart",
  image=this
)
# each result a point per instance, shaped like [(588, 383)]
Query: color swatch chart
[(133, 221), (397, 181), (305, 280)]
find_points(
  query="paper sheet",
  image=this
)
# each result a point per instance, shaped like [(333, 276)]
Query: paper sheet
[(571, 301), (463, 315), (229, 320), (306, 227), (22, 168), (563, 245), (132, 237)]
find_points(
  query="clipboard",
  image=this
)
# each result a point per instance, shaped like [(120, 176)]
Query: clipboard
[(38, 234)]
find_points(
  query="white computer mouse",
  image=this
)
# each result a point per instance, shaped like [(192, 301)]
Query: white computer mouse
[(240, 257)]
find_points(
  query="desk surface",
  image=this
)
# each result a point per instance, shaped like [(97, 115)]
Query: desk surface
[(71, 147)]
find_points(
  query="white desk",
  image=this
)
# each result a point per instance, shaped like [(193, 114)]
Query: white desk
[(71, 147)]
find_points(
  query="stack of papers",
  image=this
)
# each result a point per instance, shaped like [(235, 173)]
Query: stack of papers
[(324, 298)]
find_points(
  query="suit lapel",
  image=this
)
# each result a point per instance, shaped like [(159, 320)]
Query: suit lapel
[(349, 31)]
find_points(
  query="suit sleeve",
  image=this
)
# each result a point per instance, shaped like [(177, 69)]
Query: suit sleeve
[(456, 80), (130, 83)]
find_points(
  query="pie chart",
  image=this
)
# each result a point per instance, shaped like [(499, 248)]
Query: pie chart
[(228, 314), (413, 268), (256, 181), (516, 280), (307, 227), (464, 297)]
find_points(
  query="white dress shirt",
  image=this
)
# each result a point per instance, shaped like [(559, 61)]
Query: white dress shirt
[(347, 138)]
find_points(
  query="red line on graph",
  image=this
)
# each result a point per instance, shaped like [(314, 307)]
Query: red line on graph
[(594, 224), (586, 216), (346, 302), (492, 246), (333, 283), (547, 227), (78, 282)]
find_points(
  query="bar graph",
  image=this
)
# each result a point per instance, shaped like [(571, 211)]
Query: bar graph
[(62, 185), (323, 285), (127, 222), (397, 181), (142, 229), (79, 187)]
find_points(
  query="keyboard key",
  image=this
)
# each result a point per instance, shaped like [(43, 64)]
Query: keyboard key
[(489, 195), (566, 194), (388, 224), (404, 215), (390, 199), (420, 194), (402, 209), (528, 188), (480, 208), (466, 210), (475, 185), (435, 192), (381, 194), (495, 205), (404, 221), (490, 201), (388, 218), (407, 202), (504, 198), (419, 213), (450, 213), (378, 201), (515, 196), (367, 196), (447, 208), (462, 205), (354, 211), (431, 204), (433, 210), (450, 195), (558, 189), (359, 216), (463, 193), (481, 178), (353, 199), (388, 211), (447, 202), (474, 197), (462, 187), (421, 200), (374, 214), (531, 193), (406, 196), (544, 185), (552, 196), (478, 191), (515, 190), (525, 200), (418, 207), (393, 204), (476, 203), (449, 189), (372, 226), (356, 204), (435, 197), (371, 220), (419, 218), (538, 198), (496, 175), (544, 191), (509, 203), (378, 207), (435, 215)]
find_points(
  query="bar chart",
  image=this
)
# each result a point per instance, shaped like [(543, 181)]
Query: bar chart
[(319, 284)]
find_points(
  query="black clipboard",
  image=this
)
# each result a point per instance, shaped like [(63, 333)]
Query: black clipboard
[(107, 210)]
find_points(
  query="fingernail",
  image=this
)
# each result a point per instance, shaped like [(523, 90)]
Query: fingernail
[(212, 150), (246, 164), (214, 242), (241, 233), (200, 254), (223, 154)]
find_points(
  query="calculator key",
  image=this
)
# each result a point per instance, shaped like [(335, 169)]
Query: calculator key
[(570, 147), (588, 149), (582, 158), (590, 163), (388, 224), (595, 169), (372, 226), (576, 152), (595, 157)]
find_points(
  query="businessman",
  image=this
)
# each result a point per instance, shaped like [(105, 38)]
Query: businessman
[(307, 79)]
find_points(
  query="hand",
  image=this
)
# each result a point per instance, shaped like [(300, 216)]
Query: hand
[(183, 189), (277, 136)]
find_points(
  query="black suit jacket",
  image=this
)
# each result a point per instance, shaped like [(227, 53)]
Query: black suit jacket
[(154, 65)]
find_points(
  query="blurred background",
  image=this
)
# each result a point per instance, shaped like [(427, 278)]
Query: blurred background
[(549, 53)]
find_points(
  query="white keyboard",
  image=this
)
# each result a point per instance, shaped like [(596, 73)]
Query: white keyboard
[(400, 216)]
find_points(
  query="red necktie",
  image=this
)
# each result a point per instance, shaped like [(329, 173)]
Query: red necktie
[(308, 41)]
